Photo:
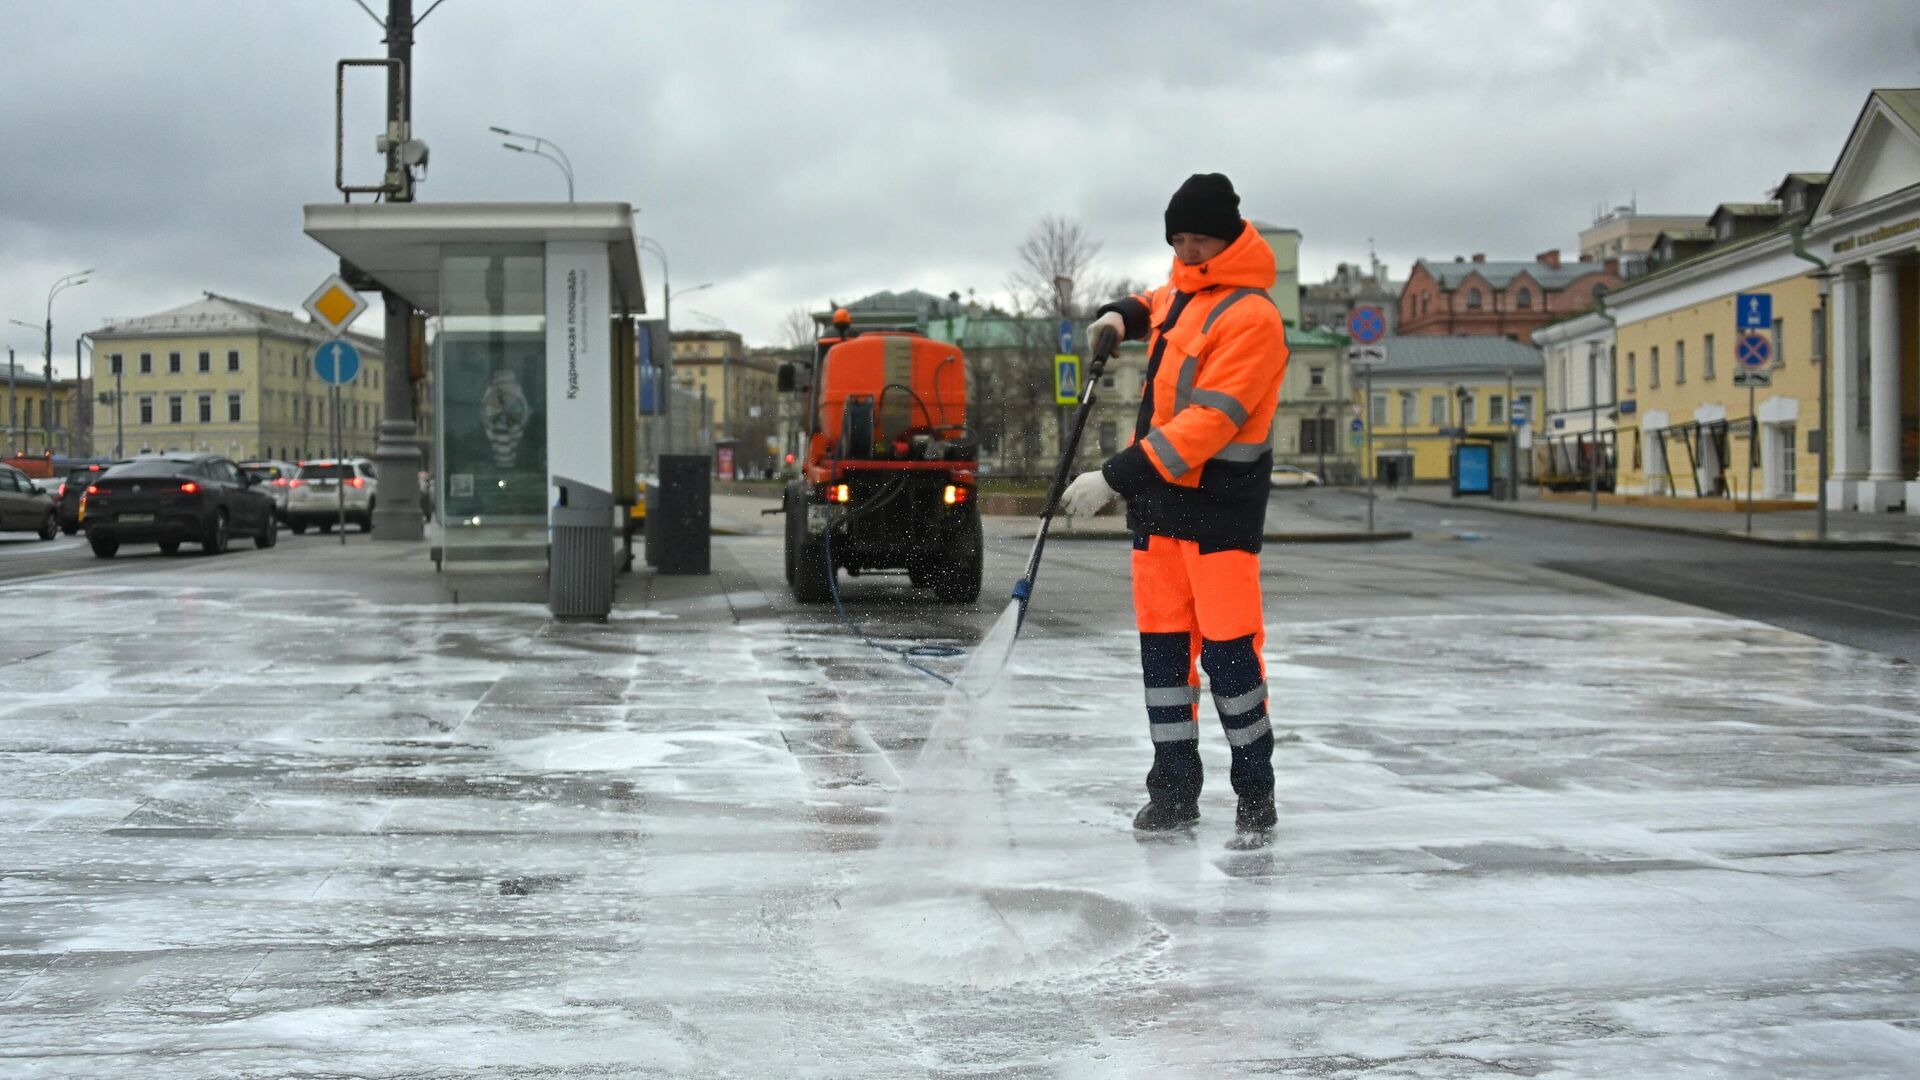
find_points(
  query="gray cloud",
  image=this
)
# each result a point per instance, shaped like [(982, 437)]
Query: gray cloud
[(791, 153)]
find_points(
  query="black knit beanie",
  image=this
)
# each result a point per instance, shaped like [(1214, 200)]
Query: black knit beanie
[(1206, 205)]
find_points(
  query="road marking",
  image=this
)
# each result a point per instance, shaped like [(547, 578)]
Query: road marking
[(1830, 600)]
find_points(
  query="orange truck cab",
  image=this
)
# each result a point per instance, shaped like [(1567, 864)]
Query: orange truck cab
[(889, 480)]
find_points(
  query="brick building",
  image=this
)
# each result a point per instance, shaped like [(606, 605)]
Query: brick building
[(1510, 299)]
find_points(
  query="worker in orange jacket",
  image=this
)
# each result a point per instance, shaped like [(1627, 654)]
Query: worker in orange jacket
[(1196, 479)]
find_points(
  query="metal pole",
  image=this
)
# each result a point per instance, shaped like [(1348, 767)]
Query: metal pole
[(1826, 436), (339, 459), (119, 413), (1513, 450), (1320, 439), (46, 399), (1369, 464), (396, 454), (1593, 425), (1753, 446), (13, 403), (79, 398)]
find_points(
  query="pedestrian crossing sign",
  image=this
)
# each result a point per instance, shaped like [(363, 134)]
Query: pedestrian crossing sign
[(1066, 379)]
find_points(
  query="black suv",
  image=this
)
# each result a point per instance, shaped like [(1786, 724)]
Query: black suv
[(202, 498)]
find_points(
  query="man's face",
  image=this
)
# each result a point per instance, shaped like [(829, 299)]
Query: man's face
[(1194, 249)]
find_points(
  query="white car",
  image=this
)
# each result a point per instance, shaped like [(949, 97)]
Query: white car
[(315, 495), (1289, 476)]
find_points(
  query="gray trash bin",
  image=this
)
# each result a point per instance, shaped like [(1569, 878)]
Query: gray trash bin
[(580, 559)]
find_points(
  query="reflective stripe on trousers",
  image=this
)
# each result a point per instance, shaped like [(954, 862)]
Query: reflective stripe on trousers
[(1202, 612)]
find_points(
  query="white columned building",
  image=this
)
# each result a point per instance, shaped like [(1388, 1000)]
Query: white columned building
[(1867, 227)]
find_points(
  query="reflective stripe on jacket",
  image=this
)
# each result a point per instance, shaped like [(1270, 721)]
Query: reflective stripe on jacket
[(1199, 468)]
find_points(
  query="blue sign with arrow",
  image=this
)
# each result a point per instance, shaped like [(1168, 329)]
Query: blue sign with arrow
[(1066, 335), (336, 362), (1755, 310)]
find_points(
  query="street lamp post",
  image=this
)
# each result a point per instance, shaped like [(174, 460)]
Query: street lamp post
[(46, 403), (1593, 426), (540, 148)]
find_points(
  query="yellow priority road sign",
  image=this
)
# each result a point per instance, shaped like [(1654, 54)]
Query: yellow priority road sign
[(334, 305)]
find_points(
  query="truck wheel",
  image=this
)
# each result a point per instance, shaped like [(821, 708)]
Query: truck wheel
[(959, 581), (811, 583)]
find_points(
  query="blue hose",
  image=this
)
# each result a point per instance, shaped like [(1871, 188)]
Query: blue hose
[(906, 654)]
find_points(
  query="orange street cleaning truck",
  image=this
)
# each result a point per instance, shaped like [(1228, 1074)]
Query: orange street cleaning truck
[(888, 478)]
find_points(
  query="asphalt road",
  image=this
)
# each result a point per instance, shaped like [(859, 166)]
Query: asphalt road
[(1869, 600), (1866, 599)]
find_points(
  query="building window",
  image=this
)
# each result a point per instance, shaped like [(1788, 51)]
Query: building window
[(1409, 409), (1437, 410), (1316, 435), (1653, 366), (1780, 344), (1473, 299), (1633, 372), (1496, 408), (1467, 417), (206, 361), (176, 407), (1523, 299), (1706, 357), (146, 408), (146, 363), (1377, 411), (1679, 362), (206, 408), (173, 363), (233, 408), (113, 364), (1317, 377), (233, 359)]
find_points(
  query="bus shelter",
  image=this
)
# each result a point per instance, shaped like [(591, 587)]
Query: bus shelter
[(534, 393)]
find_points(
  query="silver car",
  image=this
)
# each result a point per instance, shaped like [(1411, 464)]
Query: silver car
[(276, 479), (24, 507)]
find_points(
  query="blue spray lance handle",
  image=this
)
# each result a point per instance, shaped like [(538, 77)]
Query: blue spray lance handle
[(1023, 589)]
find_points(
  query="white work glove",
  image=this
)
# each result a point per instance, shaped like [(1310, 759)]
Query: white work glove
[(1087, 495), (1105, 334)]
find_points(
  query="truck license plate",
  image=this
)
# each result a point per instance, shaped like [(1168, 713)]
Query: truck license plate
[(817, 517)]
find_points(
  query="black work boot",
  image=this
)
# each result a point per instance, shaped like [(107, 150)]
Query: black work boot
[(1160, 815), (1253, 823)]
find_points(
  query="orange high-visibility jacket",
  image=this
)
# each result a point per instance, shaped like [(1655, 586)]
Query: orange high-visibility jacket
[(1201, 462)]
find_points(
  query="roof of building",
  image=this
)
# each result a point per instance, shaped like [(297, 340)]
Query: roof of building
[(214, 314), (1904, 102), (1315, 337), (1500, 274), (30, 374), (1415, 355), (1268, 226), (1685, 235), (1747, 209), (907, 300)]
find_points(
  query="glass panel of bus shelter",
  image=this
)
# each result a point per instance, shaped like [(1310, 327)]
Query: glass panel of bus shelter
[(490, 356)]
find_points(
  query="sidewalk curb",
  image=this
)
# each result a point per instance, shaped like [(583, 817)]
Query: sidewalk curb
[(1679, 530)]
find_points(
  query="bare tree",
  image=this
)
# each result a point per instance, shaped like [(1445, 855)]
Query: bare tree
[(1054, 274), (797, 330)]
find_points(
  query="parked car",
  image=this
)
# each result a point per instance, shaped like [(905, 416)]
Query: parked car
[(67, 495), (317, 493), (1289, 476), (24, 507), (175, 498), (276, 477)]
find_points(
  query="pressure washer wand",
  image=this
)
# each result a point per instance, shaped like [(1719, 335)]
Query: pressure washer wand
[(1023, 589)]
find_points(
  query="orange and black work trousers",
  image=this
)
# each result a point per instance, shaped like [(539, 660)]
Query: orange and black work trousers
[(1200, 609)]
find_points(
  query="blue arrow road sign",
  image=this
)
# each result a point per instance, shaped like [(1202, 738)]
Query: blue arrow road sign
[(1366, 325), (336, 362), (1355, 424), (1755, 310), (1066, 335), (1754, 352)]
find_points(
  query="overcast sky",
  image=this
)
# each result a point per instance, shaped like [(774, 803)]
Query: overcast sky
[(792, 153)]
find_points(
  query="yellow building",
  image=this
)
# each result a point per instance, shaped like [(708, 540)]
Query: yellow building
[(230, 377), (1435, 392), (1688, 428), (739, 392), (35, 421)]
